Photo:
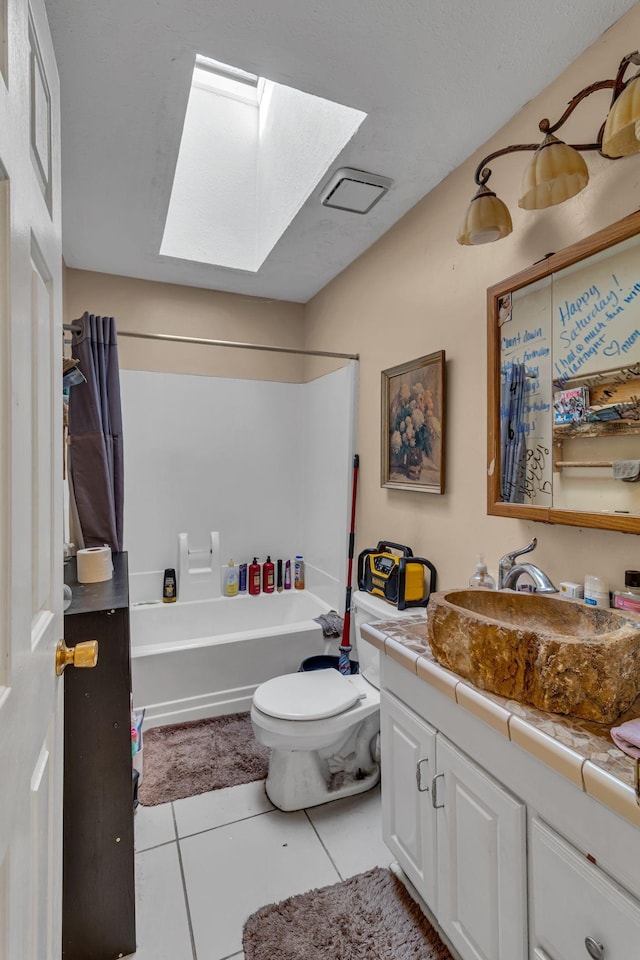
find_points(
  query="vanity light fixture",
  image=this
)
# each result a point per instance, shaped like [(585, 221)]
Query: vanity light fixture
[(557, 170)]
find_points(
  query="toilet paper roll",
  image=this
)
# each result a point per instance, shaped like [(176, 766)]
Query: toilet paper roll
[(94, 564)]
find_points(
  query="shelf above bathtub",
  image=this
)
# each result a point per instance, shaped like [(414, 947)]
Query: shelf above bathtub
[(109, 595)]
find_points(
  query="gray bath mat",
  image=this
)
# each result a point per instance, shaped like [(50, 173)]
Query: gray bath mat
[(184, 759), (369, 917)]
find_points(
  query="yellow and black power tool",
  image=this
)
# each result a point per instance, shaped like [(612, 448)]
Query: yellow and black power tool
[(397, 579)]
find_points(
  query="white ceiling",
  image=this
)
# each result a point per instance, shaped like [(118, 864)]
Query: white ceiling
[(436, 78)]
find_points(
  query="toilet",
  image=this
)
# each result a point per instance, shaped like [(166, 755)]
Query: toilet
[(323, 727)]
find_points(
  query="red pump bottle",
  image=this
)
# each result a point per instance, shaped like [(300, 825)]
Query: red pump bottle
[(267, 576), (254, 577)]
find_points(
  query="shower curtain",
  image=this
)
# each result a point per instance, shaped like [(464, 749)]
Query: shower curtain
[(96, 473), (514, 448)]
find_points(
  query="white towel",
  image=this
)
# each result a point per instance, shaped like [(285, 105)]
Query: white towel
[(628, 470)]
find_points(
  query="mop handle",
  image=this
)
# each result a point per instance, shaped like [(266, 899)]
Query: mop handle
[(346, 627)]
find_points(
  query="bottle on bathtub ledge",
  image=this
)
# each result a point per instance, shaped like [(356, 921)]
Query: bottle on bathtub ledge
[(298, 572), (231, 580), (169, 586), (267, 576), (254, 577)]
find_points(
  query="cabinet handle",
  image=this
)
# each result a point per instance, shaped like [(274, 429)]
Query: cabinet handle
[(594, 949), (421, 789), (434, 792)]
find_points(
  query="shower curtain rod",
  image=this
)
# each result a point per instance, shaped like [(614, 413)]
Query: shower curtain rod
[(76, 328)]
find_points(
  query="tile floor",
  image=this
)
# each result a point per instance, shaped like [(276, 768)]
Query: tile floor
[(204, 864)]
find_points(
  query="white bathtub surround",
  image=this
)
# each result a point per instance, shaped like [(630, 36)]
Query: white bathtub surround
[(204, 658), (198, 570), (267, 464)]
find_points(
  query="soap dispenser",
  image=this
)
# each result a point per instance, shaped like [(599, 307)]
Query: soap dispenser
[(481, 577)]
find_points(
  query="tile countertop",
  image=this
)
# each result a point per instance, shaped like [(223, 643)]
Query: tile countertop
[(580, 750)]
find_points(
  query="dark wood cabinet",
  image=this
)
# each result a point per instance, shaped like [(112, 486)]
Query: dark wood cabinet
[(98, 913)]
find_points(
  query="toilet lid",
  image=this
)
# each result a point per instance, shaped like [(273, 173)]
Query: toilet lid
[(306, 696)]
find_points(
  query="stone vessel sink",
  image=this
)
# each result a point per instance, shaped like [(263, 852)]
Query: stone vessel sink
[(559, 655)]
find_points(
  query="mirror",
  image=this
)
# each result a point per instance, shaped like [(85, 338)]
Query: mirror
[(564, 385)]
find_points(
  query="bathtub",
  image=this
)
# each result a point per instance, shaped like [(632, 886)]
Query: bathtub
[(206, 657)]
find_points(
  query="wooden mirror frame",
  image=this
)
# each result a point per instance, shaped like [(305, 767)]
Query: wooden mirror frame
[(617, 232)]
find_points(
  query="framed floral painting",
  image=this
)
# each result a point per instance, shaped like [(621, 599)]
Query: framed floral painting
[(413, 421)]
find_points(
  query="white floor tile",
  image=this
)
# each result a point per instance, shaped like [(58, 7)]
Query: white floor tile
[(162, 929), (213, 809), (232, 871), (153, 826), (351, 830)]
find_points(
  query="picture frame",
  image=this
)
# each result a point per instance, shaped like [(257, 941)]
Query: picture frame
[(413, 425)]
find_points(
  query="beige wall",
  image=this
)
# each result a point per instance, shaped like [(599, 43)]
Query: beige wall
[(417, 291), (414, 292), (144, 306)]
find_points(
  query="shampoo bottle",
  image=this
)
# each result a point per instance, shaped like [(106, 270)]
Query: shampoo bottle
[(169, 586), (298, 572), (230, 580), (254, 577), (481, 577), (267, 576), (279, 577), (287, 575)]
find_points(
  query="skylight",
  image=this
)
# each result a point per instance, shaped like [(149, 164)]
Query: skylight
[(252, 151), (226, 80)]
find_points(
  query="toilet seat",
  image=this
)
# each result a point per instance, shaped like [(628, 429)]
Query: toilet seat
[(315, 695)]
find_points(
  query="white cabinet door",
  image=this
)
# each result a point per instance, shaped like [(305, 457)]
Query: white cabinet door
[(577, 911), (482, 891), (408, 817)]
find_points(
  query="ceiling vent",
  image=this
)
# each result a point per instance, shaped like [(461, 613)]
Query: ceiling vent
[(354, 190)]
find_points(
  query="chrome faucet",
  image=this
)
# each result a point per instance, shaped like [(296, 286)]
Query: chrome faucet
[(509, 571)]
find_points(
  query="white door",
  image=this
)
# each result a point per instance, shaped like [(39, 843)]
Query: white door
[(31, 536), (482, 891), (408, 816)]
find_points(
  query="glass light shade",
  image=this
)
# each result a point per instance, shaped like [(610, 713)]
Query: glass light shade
[(555, 173), (487, 219), (620, 137)]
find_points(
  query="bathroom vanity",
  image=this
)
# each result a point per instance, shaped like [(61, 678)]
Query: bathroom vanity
[(518, 828)]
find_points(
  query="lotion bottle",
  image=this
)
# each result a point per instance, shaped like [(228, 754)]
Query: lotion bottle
[(287, 575)]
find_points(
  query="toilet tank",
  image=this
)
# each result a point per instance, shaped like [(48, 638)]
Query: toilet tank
[(367, 609)]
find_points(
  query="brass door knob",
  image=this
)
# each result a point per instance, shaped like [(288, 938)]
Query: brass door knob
[(84, 654)]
